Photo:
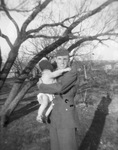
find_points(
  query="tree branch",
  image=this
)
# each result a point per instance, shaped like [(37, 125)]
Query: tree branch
[(89, 14), (38, 9), (44, 26), (91, 38), (51, 25), (73, 25), (7, 39), (44, 36), (9, 16), (16, 10)]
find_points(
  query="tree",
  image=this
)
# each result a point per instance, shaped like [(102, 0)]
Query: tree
[(70, 33), (19, 64), (0, 60)]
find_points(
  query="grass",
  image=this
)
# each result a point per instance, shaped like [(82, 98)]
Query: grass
[(97, 128), (24, 133)]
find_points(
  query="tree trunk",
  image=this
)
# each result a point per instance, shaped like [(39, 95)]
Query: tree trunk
[(6, 69), (34, 93), (0, 60), (12, 95), (5, 115)]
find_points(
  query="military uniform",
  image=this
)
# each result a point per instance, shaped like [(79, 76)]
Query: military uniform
[(64, 116)]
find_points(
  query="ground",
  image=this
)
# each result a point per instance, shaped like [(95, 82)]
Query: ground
[(97, 128)]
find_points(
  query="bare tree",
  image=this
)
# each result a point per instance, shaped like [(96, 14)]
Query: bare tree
[(66, 33), (0, 60)]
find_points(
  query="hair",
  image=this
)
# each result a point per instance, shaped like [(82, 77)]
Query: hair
[(45, 65)]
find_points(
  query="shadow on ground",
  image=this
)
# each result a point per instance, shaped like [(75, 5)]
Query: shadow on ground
[(92, 138)]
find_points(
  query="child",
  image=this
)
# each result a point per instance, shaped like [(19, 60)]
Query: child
[(48, 77)]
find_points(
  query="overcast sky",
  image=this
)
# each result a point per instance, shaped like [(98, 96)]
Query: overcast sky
[(109, 52)]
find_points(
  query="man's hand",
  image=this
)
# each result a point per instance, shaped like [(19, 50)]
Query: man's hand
[(67, 69)]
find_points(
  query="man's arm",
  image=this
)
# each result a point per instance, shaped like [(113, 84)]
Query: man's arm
[(67, 82)]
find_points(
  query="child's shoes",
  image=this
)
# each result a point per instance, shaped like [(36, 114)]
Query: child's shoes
[(41, 119)]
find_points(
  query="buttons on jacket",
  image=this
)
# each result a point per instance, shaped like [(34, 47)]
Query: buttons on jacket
[(66, 100), (70, 105)]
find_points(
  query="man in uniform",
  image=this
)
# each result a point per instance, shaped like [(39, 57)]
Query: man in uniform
[(63, 118)]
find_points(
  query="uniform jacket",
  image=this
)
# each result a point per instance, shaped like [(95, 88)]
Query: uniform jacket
[(64, 114)]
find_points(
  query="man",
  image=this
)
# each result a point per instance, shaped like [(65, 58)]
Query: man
[(64, 116)]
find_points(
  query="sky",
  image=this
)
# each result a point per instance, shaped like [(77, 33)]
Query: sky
[(109, 52)]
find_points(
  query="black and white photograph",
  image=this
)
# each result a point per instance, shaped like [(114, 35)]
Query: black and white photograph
[(58, 74)]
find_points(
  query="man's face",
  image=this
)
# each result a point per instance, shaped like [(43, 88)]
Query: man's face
[(62, 61)]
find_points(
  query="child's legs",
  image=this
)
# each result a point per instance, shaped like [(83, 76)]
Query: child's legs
[(49, 109), (44, 104)]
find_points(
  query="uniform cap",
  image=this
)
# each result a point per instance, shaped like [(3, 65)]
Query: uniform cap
[(62, 52)]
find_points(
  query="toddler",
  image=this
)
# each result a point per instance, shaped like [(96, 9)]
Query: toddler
[(46, 100)]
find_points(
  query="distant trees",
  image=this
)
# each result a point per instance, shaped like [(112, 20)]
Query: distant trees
[(85, 25)]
